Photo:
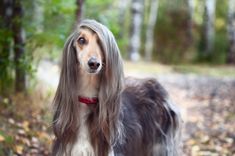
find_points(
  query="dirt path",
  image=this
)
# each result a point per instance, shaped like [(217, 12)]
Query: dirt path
[(207, 106)]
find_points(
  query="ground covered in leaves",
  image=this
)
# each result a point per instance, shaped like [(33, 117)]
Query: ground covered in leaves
[(207, 105), (25, 127), (208, 110)]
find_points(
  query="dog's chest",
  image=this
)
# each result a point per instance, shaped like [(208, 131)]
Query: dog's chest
[(82, 146)]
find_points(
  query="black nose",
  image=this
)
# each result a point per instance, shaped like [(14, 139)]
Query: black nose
[(93, 63)]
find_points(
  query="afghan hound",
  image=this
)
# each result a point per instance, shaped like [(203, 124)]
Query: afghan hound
[(98, 112)]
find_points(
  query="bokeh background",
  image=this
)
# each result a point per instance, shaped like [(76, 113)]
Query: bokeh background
[(188, 45)]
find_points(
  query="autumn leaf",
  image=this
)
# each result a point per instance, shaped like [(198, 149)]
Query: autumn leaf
[(43, 135), (25, 126), (19, 149), (2, 138), (11, 121)]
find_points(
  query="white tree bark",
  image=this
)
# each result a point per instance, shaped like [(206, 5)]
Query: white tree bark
[(191, 5), (150, 30), (38, 15), (231, 31), (136, 22), (122, 7), (209, 18)]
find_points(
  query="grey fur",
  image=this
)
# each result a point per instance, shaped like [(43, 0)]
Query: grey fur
[(118, 121)]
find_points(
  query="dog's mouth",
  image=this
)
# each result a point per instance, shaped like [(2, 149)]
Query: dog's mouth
[(89, 70), (93, 71)]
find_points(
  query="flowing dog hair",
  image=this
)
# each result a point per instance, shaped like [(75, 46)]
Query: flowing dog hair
[(133, 117)]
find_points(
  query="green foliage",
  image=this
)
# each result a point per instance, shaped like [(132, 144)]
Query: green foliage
[(6, 146), (48, 23), (221, 37), (50, 27), (220, 48), (172, 44), (61, 14), (107, 12), (6, 63)]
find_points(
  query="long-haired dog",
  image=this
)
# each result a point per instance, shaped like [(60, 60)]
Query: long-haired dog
[(99, 113)]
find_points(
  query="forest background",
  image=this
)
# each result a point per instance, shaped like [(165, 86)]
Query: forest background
[(189, 45)]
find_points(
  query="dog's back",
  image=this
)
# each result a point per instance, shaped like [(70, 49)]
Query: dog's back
[(150, 121)]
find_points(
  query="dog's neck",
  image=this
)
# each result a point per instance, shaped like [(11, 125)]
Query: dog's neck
[(88, 84), (88, 87)]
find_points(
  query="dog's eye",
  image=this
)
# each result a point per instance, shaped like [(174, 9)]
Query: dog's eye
[(82, 41)]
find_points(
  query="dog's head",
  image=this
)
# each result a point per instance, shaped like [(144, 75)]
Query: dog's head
[(89, 51)]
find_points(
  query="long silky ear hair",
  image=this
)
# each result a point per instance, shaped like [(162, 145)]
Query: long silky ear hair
[(111, 81), (65, 120)]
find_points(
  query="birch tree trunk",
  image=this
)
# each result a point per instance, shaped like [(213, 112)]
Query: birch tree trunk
[(150, 30), (231, 32), (136, 22), (191, 5), (208, 27), (19, 49), (122, 7), (38, 15), (79, 10)]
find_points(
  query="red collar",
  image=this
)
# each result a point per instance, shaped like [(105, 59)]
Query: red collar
[(88, 101)]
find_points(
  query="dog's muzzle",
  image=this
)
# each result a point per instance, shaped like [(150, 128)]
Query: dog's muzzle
[(93, 64)]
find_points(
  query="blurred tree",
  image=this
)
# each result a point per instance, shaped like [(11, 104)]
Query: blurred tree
[(19, 49), (136, 22), (122, 6), (150, 30), (231, 31), (207, 34), (79, 10), (191, 5), (6, 77), (171, 38), (59, 20), (37, 15)]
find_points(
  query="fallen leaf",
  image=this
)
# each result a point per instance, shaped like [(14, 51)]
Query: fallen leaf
[(34, 140), (25, 141), (229, 140), (195, 149), (191, 142), (6, 100), (205, 139), (11, 121), (43, 135), (2, 138), (25, 126), (19, 149), (21, 132)]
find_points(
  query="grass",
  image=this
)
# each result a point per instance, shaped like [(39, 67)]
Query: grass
[(198, 69)]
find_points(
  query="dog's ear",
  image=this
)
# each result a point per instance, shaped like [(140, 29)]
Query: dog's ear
[(65, 120), (113, 73), (111, 82), (70, 63)]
